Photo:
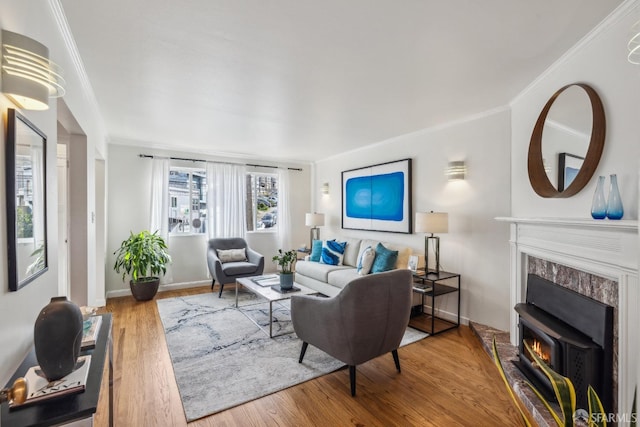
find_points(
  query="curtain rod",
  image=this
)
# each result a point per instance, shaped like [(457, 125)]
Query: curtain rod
[(149, 156)]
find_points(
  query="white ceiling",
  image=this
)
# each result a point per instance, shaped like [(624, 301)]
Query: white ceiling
[(304, 80)]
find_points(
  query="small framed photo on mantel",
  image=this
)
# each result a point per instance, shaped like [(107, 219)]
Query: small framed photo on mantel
[(413, 263)]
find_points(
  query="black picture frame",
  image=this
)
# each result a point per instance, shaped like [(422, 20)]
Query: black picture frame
[(378, 197), (26, 184)]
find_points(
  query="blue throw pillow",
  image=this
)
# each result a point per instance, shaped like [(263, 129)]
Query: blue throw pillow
[(316, 251), (332, 252), (385, 259)]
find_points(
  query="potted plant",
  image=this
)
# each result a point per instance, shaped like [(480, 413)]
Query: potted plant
[(143, 257), (286, 261)]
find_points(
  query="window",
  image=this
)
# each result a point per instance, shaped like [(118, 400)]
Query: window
[(262, 202), (187, 201), (24, 197)]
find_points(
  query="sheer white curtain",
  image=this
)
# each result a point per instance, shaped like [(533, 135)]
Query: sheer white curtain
[(284, 210), (160, 205), (226, 200)]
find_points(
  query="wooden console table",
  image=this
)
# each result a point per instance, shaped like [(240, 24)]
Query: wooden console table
[(76, 408)]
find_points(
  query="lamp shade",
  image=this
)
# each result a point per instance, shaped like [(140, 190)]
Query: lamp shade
[(432, 222), (314, 219)]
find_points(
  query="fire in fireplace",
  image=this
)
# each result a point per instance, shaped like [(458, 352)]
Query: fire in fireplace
[(541, 348), (572, 333)]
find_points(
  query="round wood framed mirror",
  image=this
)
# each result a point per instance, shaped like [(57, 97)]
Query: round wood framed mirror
[(571, 178)]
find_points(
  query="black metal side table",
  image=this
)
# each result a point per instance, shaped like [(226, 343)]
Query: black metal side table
[(302, 253), (72, 408), (432, 285)]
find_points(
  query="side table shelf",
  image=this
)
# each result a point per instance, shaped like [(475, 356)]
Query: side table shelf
[(432, 285), (302, 253), (75, 409)]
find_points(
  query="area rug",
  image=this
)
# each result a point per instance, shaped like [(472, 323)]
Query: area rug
[(221, 358)]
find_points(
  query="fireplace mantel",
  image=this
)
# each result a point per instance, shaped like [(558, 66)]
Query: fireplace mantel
[(603, 224), (602, 247)]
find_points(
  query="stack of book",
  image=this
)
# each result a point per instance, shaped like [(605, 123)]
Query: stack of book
[(267, 280), (40, 389), (90, 331)]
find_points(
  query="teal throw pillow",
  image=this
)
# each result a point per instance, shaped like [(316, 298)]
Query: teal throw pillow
[(316, 251), (332, 252), (385, 259)]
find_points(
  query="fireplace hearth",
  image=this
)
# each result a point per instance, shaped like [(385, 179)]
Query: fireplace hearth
[(572, 333)]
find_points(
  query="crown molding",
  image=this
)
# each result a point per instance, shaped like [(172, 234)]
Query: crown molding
[(72, 49), (613, 18)]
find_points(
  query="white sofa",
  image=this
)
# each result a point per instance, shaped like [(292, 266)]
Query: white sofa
[(330, 279)]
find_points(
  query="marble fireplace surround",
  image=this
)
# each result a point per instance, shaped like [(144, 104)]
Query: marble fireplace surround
[(608, 249)]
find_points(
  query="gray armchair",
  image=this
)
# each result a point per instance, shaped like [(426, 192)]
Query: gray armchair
[(228, 272), (365, 320)]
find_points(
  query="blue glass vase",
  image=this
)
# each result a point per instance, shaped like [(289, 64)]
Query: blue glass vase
[(599, 204), (614, 204)]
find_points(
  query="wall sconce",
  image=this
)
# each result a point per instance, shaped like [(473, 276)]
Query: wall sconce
[(456, 170), (634, 45), (29, 78), (325, 189)]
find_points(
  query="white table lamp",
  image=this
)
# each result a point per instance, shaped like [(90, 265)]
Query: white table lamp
[(432, 222), (314, 220)]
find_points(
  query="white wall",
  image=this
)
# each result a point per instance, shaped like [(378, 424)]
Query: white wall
[(476, 246), (18, 310), (129, 184), (601, 62)]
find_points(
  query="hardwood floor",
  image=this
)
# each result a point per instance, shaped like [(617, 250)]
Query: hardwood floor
[(446, 380)]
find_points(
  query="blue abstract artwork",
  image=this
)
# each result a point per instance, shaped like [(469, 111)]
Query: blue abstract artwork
[(378, 197), (569, 175)]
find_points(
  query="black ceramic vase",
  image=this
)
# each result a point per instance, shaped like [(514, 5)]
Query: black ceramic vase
[(57, 336)]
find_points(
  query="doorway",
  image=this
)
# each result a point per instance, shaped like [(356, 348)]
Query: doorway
[(62, 163)]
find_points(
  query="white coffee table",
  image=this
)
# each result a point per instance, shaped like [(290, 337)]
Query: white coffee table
[(270, 295)]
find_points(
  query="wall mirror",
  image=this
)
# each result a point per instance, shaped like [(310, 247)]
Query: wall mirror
[(26, 200), (567, 142)]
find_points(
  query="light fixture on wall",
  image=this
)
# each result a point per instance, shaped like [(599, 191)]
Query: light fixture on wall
[(456, 170), (432, 222), (29, 78), (314, 220), (634, 44), (325, 189)]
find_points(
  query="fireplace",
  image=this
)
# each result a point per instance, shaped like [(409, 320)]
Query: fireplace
[(572, 333), (598, 259)]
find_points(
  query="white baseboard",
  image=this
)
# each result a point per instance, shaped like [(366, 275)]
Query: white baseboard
[(446, 315), (168, 287)]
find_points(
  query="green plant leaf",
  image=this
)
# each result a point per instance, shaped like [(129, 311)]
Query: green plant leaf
[(496, 360), (547, 405), (595, 407), (142, 255), (562, 387), (286, 260)]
